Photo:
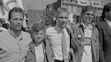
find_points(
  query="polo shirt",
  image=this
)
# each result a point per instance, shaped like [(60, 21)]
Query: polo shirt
[(14, 48)]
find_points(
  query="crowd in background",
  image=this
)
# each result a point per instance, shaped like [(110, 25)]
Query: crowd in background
[(56, 37)]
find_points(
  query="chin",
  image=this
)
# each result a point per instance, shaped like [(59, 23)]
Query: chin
[(18, 29)]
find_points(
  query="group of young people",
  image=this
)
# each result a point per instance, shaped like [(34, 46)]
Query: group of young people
[(64, 42)]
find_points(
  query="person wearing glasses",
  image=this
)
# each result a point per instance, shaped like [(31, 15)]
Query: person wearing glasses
[(87, 36), (104, 28), (59, 38), (14, 43)]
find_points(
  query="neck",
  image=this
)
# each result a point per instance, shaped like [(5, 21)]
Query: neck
[(107, 20), (59, 29), (16, 32), (37, 43), (86, 23)]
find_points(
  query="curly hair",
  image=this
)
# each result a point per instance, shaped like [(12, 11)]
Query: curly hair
[(37, 26)]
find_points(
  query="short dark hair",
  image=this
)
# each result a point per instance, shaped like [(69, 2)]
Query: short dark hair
[(15, 9), (106, 8)]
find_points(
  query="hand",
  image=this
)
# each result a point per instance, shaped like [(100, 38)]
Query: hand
[(71, 55)]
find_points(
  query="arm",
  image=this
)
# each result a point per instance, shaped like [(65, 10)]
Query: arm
[(74, 41), (29, 57), (49, 51), (101, 52), (71, 55), (1, 60), (97, 45), (1, 52)]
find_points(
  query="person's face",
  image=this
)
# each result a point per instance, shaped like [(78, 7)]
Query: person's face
[(88, 16), (38, 36), (108, 15), (62, 19), (16, 21)]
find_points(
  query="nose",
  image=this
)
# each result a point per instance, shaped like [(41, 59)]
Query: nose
[(39, 35), (91, 15), (19, 20)]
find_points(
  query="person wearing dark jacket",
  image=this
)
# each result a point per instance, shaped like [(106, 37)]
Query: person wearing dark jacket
[(104, 28)]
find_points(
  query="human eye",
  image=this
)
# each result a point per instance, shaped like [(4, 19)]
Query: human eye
[(61, 17), (15, 19), (21, 19), (92, 14), (66, 17), (87, 14)]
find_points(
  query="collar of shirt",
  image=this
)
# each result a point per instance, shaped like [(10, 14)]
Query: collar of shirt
[(88, 27), (107, 20), (13, 34), (58, 29)]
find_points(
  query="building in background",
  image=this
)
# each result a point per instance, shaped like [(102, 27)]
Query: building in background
[(6, 5), (75, 6), (72, 5)]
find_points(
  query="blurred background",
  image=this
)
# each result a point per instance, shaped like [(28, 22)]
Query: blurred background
[(47, 8)]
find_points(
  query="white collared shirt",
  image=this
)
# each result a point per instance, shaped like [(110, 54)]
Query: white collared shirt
[(55, 39)]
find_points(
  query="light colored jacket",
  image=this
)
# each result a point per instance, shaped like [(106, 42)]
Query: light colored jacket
[(79, 38)]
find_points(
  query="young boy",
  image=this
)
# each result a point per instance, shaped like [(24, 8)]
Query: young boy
[(36, 51)]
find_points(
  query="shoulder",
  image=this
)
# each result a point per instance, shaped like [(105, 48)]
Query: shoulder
[(50, 30), (100, 23), (4, 33), (76, 25), (31, 45), (26, 34)]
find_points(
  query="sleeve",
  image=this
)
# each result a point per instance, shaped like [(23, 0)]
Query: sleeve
[(74, 41), (97, 45), (1, 60), (29, 56), (2, 52), (49, 51), (101, 52)]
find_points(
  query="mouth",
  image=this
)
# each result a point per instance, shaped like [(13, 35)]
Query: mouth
[(18, 26), (89, 19)]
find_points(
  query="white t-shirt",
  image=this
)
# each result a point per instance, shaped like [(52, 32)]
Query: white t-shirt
[(39, 53)]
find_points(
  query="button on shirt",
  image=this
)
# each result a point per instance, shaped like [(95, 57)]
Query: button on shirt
[(14, 48)]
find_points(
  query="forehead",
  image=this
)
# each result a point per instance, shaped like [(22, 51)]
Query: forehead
[(89, 11), (63, 14), (40, 31), (16, 14)]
